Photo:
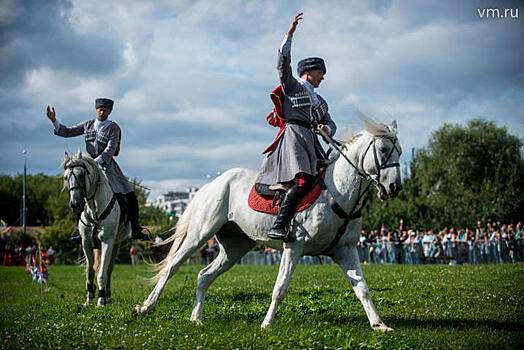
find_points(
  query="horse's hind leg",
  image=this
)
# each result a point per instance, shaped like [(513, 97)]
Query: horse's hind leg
[(347, 258), (289, 262), (195, 238), (233, 244)]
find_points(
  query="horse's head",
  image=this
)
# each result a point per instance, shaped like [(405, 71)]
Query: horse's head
[(379, 157), (80, 178)]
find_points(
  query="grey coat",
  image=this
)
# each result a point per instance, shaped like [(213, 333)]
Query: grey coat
[(106, 143), (294, 151)]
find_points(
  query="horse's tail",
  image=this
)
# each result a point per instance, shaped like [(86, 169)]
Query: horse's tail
[(98, 258), (177, 238)]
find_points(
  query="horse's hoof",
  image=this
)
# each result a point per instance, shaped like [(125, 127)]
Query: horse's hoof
[(197, 322), (381, 327), (265, 325), (137, 310), (100, 302)]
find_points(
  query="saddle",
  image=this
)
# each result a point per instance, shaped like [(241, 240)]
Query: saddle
[(266, 199)]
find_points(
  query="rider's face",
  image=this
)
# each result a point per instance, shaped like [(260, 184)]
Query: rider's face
[(314, 77), (102, 113)]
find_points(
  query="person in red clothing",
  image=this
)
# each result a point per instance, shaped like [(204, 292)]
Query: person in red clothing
[(9, 258)]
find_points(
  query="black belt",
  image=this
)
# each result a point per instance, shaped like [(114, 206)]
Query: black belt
[(301, 123)]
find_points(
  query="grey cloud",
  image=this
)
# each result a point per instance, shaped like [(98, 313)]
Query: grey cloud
[(36, 34)]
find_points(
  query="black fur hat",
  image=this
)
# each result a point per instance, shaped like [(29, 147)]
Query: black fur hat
[(104, 102), (310, 63)]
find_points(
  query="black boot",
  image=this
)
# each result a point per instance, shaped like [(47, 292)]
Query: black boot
[(132, 205), (287, 207)]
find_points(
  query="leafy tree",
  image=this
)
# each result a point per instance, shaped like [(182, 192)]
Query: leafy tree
[(472, 172), (45, 199)]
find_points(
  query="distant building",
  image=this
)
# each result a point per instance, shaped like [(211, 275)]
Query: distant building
[(175, 202)]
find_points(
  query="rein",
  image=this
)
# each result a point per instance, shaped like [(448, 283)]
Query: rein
[(355, 213)]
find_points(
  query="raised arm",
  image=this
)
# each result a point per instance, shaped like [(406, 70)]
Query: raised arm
[(284, 56), (62, 130)]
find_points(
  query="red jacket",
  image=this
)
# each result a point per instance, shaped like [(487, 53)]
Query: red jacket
[(275, 118)]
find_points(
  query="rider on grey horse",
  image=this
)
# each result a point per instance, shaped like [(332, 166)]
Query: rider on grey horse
[(293, 157), (102, 137)]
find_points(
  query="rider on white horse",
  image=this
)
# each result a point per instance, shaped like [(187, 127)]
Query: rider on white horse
[(102, 137), (293, 156)]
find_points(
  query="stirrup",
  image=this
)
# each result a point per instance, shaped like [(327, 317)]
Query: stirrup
[(282, 234)]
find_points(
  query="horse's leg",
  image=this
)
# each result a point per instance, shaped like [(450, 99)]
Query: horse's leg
[(347, 258), (233, 244), (90, 272), (197, 235), (107, 249), (290, 258), (114, 254), (90, 262)]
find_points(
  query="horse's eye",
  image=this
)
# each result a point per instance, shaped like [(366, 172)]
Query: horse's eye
[(383, 149)]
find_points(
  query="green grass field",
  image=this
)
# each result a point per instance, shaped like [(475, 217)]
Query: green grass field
[(451, 307)]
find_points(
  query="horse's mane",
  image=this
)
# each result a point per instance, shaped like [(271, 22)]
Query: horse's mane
[(376, 128), (78, 158), (373, 127)]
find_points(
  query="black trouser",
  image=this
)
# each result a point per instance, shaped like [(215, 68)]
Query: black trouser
[(132, 211), (303, 184)]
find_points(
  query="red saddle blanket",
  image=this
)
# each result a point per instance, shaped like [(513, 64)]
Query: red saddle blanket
[(264, 204)]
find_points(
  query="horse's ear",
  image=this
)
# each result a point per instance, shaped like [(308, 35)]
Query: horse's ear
[(394, 124), (79, 154)]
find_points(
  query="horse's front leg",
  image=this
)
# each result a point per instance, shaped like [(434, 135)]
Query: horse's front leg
[(288, 263), (105, 261), (114, 254), (347, 258), (90, 261)]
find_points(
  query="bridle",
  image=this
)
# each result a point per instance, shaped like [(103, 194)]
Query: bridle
[(82, 186), (378, 166), (78, 184)]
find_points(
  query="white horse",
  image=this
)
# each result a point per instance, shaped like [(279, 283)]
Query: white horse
[(220, 208), (99, 225)]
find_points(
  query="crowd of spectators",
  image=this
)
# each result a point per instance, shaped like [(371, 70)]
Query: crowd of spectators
[(491, 243), (19, 254)]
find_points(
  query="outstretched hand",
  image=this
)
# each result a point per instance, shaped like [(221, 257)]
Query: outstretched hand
[(294, 23), (51, 113)]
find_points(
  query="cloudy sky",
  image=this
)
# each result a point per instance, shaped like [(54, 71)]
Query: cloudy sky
[(191, 78)]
